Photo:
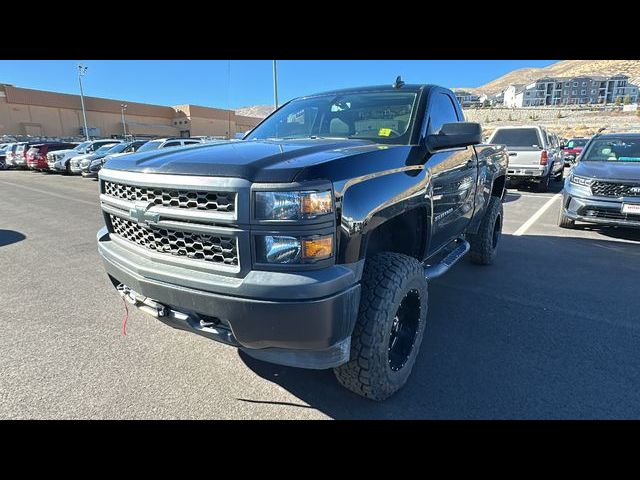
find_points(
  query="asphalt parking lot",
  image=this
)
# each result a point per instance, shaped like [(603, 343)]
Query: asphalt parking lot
[(550, 331)]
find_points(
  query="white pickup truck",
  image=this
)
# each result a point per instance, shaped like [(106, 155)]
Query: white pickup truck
[(534, 155)]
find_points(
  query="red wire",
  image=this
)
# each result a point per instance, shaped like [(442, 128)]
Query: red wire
[(125, 318)]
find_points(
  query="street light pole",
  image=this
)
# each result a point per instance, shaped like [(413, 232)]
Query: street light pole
[(275, 83), (123, 107), (82, 71)]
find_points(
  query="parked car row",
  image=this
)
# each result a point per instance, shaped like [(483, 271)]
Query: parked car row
[(81, 158)]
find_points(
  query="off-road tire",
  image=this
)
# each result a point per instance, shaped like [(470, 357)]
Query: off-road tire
[(484, 244), (67, 168), (564, 221), (543, 184), (387, 279)]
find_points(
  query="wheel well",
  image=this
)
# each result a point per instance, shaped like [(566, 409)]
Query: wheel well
[(498, 187), (404, 233)]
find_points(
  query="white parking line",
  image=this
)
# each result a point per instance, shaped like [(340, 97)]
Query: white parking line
[(65, 197), (525, 226)]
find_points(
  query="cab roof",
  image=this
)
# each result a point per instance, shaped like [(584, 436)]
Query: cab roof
[(375, 88)]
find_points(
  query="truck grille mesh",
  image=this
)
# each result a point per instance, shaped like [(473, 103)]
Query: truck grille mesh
[(198, 246), (608, 189), (189, 199)]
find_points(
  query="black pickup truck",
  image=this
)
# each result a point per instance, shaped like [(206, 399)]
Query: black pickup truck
[(311, 242)]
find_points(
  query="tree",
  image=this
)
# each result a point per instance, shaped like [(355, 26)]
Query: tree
[(627, 100), (618, 100)]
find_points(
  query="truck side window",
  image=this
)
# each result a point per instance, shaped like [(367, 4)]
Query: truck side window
[(441, 111)]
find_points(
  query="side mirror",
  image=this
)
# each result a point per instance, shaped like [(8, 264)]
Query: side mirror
[(562, 146), (455, 135)]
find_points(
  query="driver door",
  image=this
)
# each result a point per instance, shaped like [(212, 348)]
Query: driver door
[(453, 177)]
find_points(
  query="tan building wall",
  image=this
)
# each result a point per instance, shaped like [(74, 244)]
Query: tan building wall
[(36, 112)]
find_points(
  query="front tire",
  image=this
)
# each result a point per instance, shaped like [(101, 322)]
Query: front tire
[(564, 221), (484, 244), (389, 329)]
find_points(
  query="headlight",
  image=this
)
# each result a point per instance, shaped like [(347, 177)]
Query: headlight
[(287, 249), (582, 181), (292, 205)]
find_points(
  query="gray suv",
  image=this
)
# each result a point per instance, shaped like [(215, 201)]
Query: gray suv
[(604, 186)]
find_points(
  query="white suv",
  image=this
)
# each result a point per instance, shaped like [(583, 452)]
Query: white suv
[(58, 161), (167, 143)]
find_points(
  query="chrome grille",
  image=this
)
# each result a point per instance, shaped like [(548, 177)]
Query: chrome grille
[(216, 249), (187, 199), (609, 189)]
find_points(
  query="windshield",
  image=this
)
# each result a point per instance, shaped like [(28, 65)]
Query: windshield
[(118, 147), (579, 142), (380, 116), (152, 145), (104, 149), (517, 137), (82, 146), (613, 150)]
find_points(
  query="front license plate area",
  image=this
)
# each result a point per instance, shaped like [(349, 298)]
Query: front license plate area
[(631, 208)]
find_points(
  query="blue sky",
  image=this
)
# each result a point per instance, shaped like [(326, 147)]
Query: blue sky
[(239, 83)]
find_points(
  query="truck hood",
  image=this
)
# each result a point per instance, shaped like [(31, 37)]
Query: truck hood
[(255, 160), (625, 171)]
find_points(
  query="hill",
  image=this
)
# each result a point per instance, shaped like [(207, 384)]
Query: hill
[(564, 68), (259, 111)]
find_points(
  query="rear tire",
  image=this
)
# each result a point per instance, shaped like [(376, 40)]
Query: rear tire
[(560, 175), (389, 329), (543, 185), (484, 244)]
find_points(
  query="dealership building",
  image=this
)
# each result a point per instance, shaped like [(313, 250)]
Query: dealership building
[(40, 113)]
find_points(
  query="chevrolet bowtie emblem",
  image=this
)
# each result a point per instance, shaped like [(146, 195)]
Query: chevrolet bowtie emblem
[(141, 216)]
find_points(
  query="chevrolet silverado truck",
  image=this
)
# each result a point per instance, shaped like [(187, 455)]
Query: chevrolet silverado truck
[(311, 242)]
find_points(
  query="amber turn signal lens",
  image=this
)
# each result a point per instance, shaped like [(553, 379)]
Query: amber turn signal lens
[(316, 203), (317, 248)]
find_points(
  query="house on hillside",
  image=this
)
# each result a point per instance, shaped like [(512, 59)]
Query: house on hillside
[(467, 99), (582, 90), (492, 100)]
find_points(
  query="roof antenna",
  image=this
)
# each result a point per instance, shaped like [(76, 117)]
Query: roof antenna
[(600, 130), (398, 83)]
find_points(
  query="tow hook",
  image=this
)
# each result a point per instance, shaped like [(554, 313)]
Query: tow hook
[(142, 302), (126, 293)]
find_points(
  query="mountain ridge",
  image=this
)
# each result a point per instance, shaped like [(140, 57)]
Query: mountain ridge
[(563, 68)]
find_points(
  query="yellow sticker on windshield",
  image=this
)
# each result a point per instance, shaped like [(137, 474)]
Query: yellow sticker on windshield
[(384, 132)]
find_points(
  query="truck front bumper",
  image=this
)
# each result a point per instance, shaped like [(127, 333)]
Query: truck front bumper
[(302, 319), (578, 205)]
